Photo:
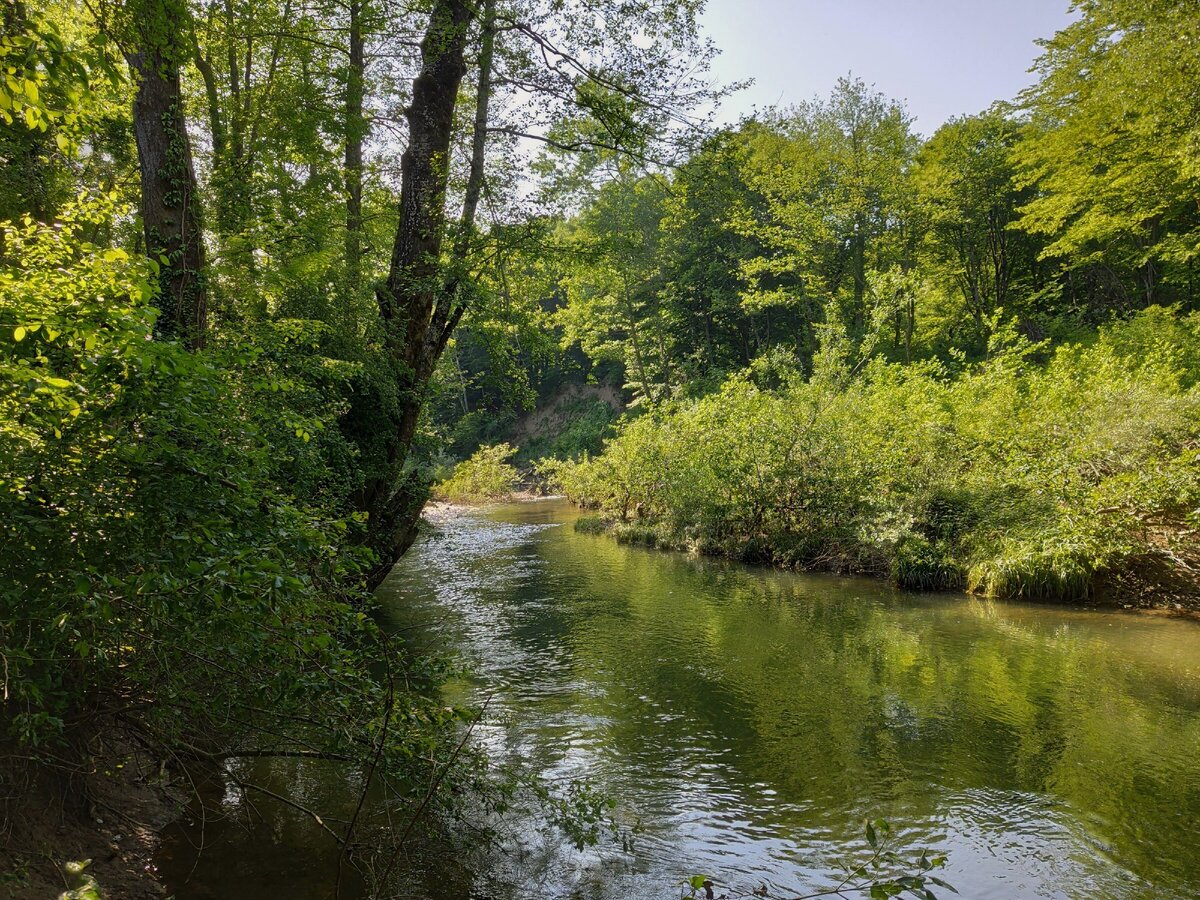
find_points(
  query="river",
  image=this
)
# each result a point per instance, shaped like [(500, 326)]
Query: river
[(749, 721)]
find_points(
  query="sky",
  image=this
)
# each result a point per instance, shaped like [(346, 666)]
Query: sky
[(942, 57)]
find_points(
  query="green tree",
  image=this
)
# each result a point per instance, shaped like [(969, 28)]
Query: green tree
[(1112, 151), (613, 310), (965, 179), (703, 254), (838, 203)]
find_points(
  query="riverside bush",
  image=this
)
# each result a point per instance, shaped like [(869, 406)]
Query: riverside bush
[(486, 475), (1038, 473), (180, 573)]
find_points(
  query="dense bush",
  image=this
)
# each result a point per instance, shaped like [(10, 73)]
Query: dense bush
[(1018, 476), (177, 565), (485, 476)]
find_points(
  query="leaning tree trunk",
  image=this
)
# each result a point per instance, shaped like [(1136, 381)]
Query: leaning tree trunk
[(417, 310), (169, 202)]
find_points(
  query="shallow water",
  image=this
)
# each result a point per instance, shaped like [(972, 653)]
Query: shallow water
[(751, 720)]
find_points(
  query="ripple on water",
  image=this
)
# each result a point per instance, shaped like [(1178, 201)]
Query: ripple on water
[(751, 720)]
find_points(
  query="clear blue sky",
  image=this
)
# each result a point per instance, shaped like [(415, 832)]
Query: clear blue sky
[(942, 57)]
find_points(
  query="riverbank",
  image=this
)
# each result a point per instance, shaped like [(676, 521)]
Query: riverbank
[(1151, 588), (1161, 589), (110, 810), (1067, 476)]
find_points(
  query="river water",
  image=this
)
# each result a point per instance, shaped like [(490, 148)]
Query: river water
[(749, 721)]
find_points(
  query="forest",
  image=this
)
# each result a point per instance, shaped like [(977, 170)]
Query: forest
[(271, 273)]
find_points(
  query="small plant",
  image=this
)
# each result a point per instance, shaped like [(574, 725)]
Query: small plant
[(486, 476), (591, 525), (86, 887)]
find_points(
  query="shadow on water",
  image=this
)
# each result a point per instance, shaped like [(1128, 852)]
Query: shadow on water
[(750, 720)]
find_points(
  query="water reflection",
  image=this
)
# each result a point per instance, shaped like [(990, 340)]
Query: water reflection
[(751, 720)]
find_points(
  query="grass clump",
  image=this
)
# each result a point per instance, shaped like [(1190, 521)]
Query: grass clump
[(591, 525)]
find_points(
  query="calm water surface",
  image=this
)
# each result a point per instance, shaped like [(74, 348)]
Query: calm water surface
[(751, 720)]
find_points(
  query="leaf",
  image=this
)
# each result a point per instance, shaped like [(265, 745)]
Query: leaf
[(19, 333)]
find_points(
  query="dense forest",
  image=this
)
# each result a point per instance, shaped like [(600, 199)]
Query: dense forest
[(270, 270), (962, 361)]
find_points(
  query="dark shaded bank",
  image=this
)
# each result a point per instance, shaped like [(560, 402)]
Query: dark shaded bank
[(109, 809)]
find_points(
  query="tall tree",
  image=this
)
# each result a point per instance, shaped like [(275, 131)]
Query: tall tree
[(965, 178), (1112, 150), (155, 40), (704, 247), (614, 309), (546, 73), (834, 175), (416, 314)]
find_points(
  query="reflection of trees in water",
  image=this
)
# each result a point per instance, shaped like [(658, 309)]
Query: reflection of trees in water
[(761, 716), (844, 697)]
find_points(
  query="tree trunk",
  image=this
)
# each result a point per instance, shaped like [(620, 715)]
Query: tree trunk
[(169, 203), (483, 98), (417, 311), (860, 274), (356, 131), (216, 126)]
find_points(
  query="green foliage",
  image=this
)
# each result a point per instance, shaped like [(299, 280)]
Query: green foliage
[(86, 887), (965, 183), (613, 310), (45, 78), (579, 426), (485, 476), (1112, 150), (590, 525), (1013, 478), (179, 562)]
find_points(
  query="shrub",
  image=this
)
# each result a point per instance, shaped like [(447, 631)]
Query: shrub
[(591, 525), (179, 565), (1028, 475), (485, 476)]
